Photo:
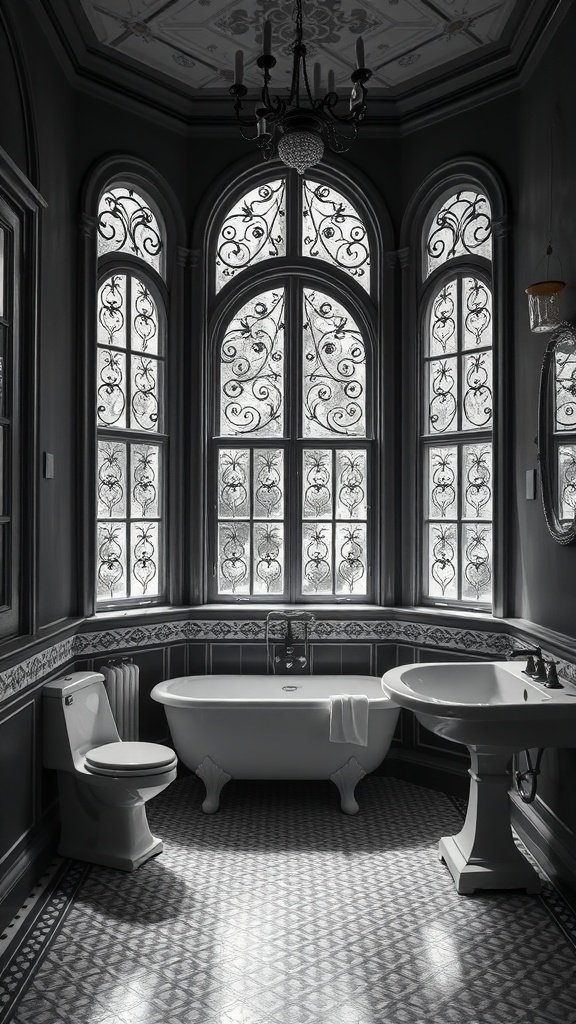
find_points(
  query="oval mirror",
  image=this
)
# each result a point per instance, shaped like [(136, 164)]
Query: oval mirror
[(557, 434)]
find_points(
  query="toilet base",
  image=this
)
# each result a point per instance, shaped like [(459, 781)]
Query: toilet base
[(111, 860), (106, 824)]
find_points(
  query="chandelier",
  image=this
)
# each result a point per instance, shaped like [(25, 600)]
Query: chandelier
[(297, 128)]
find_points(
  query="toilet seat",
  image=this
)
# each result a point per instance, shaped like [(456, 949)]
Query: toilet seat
[(130, 759)]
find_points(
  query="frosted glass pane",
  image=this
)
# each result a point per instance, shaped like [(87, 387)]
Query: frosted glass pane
[(111, 561), (442, 483), (234, 558), (442, 395), (477, 481), (317, 558), (442, 337), (268, 483), (145, 481), (333, 230), (111, 388), (268, 556), (477, 562), (144, 559), (145, 387), (233, 483), (126, 223), (317, 486), (461, 227), (567, 482), (351, 485), (253, 230), (476, 313), (442, 560), (477, 391), (111, 329), (351, 570), (565, 389), (143, 318), (334, 369), (111, 482), (251, 369)]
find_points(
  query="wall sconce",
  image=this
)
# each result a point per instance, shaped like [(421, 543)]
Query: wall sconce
[(544, 305)]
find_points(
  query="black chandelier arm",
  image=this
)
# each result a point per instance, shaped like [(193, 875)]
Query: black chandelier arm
[(337, 140)]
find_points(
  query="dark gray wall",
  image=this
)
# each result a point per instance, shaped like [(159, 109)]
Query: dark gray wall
[(545, 576)]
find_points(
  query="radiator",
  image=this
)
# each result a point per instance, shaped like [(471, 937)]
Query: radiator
[(122, 686)]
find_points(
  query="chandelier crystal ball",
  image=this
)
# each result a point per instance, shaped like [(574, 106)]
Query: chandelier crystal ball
[(298, 127), (301, 149)]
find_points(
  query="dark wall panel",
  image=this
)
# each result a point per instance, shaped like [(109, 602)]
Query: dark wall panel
[(18, 771)]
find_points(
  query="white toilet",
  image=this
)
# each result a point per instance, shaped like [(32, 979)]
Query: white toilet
[(103, 783)]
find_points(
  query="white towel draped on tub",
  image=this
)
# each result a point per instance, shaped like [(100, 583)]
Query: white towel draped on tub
[(349, 719)]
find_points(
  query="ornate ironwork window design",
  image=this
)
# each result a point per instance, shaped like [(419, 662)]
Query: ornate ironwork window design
[(252, 231), (293, 458), (565, 431), (333, 230), (130, 380), (462, 226), (127, 223), (457, 403)]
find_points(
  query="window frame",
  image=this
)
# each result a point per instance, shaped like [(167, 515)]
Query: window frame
[(363, 305), (463, 174), (124, 264), (21, 206), (457, 269)]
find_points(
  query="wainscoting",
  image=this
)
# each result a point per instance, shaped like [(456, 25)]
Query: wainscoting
[(169, 648)]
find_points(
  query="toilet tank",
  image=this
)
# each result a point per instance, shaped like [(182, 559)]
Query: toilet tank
[(76, 717)]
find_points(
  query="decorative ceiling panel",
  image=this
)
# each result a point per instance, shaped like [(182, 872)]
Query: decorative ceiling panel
[(194, 41)]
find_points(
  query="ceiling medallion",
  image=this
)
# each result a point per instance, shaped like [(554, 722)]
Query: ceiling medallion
[(296, 128)]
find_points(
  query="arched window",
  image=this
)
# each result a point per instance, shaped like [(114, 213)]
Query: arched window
[(130, 385), (457, 408), (292, 272)]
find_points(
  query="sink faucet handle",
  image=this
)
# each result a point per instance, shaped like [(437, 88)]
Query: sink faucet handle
[(552, 681), (539, 674)]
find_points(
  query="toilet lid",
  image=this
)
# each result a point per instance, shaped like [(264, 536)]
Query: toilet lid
[(130, 756)]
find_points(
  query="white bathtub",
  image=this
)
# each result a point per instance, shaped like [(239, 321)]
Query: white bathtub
[(272, 727)]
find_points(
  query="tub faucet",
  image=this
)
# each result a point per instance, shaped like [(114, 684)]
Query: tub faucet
[(291, 652)]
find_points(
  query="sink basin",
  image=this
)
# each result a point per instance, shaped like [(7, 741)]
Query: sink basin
[(495, 710), (485, 703)]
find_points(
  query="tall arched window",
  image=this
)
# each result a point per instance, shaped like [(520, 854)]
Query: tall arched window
[(293, 276), (130, 384), (457, 409)]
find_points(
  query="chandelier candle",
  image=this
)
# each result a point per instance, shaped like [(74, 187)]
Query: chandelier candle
[(267, 38), (238, 67)]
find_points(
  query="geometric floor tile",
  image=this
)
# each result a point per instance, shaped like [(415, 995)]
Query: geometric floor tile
[(279, 909)]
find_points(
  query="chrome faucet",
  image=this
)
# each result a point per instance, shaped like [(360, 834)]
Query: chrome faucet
[(532, 667), (540, 669), (293, 649)]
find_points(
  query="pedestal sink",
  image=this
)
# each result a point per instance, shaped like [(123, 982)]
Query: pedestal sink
[(495, 710)]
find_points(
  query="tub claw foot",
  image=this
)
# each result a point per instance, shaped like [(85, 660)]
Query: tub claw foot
[(346, 779), (214, 778)]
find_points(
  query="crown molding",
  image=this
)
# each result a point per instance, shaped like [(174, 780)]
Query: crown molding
[(463, 83)]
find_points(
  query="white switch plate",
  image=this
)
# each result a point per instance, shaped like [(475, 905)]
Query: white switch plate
[(530, 484)]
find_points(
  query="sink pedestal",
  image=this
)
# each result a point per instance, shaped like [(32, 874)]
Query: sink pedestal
[(483, 855)]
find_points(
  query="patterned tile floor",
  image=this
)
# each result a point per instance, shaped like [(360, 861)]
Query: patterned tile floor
[(281, 910)]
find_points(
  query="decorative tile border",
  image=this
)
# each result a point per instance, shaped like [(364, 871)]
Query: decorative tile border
[(132, 638)]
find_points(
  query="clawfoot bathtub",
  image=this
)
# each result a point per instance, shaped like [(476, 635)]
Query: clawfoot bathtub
[(272, 727)]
